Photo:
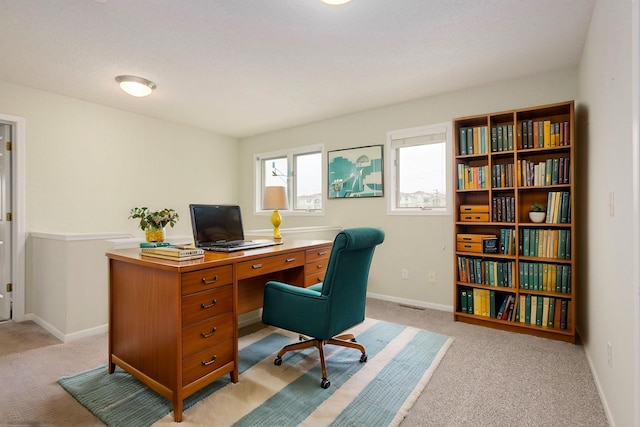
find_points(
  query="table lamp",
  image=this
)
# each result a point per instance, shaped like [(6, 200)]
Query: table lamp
[(275, 198)]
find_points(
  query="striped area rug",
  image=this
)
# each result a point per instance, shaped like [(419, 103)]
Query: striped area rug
[(379, 392)]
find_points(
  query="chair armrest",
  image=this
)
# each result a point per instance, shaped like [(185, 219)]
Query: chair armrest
[(294, 290), (294, 308)]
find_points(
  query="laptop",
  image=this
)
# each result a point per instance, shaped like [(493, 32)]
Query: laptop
[(219, 228)]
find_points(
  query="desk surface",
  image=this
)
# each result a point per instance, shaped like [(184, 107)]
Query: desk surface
[(213, 259)]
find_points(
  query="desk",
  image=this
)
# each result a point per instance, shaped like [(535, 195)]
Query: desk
[(174, 325)]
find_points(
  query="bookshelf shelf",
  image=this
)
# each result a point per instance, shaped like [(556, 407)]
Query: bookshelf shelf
[(505, 162)]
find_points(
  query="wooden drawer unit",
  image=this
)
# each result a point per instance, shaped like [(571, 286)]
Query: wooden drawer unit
[(316, 265), (205, 334), (203, 305), (209, 278), (207, 361), (174, 326), (260, 266)]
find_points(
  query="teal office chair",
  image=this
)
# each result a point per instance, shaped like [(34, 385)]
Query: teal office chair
[(324, 310)]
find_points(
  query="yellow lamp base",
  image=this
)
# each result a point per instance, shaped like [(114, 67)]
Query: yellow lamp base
[(276, 220)]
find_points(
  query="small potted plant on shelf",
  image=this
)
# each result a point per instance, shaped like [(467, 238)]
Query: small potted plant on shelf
[(537, 212), (154, 223)]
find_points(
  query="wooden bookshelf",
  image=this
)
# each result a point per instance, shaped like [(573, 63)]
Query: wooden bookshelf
[(503, 163)]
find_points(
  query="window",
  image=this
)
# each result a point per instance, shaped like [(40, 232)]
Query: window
[(420, 171), (299, 170)]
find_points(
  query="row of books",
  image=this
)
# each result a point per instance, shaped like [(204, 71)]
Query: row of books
[(546, 312), (544, 134), (542, 311), (502, 138), (473, 140), (485, 272), (472, 177), (504, 209), (507, 241), (488, 303), (545, 243), (547, 172), (502, 175), (545, 277), (173, 253), (558, 207)]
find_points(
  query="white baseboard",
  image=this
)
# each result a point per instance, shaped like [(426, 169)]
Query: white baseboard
[(411, 302), (65, 338)]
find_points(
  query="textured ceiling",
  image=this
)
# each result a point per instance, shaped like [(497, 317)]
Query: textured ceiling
[(246, 67)]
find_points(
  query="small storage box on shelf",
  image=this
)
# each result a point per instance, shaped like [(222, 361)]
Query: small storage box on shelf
[(511, 273)]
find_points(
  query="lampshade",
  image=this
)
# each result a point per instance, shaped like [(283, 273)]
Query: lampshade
[(136, 86), (275, 198)]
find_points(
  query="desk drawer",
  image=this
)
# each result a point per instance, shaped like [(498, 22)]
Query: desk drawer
[(206, 361), (262, 266), (313, 279), (203, 305), (206, 334), (209, 278), (318, 254)]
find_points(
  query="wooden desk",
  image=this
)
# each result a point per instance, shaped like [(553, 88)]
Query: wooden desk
[(174, 325)]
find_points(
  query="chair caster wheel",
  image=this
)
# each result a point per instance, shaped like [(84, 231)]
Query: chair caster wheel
[(325, 383), (363, 358), (278, 361)]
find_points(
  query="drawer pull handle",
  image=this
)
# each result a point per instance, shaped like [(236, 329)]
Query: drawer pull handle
[(319, 266), (322, 253), (256, 266), (289, 260), (208, 282), (213, 360), (213, 331), (213, 303), (319, 279)]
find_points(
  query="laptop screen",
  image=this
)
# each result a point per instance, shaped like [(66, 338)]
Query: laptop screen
[(216, 223)]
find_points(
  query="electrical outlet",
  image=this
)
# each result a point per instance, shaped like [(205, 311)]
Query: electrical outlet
[(405, 273), (431, 278), (610, 354)]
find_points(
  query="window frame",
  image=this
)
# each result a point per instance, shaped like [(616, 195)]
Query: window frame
[(427, 132), (291, 180)]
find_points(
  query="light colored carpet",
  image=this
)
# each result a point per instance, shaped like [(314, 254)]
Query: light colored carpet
[(488, 378), (376, 393)]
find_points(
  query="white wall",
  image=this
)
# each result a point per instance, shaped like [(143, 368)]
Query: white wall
[(608, 287), (87, 165), (419, 244)]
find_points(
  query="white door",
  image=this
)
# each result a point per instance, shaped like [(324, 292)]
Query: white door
[(6, 131)]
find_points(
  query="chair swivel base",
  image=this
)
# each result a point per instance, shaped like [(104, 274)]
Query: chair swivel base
[(346, 340)]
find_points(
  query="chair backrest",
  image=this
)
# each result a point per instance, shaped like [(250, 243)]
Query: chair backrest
[(345, 281)]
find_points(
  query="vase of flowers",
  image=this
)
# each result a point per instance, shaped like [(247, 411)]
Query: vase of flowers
[(153, 223)]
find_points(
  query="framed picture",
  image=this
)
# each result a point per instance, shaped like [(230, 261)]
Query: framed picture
[(355, 172)]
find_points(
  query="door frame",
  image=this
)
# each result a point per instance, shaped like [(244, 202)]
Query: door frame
[(18, 235)]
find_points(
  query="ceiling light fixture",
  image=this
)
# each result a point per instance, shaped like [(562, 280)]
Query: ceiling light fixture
[(335, 2), (135, 86)]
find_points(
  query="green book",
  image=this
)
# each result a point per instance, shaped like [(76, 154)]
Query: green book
[(494, 139), (463, 141), (555, 172), (526, 234), (559, 273), (539, 310), (463, 301), (527, 309), (552, 312), (510, 137), (567, 252), (492, 304), (565, 203)]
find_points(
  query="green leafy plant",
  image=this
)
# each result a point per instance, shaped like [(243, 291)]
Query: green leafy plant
[(537, 207), (156, 219)]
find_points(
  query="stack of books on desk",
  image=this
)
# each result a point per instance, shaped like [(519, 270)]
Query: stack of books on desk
[(173, 253)]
